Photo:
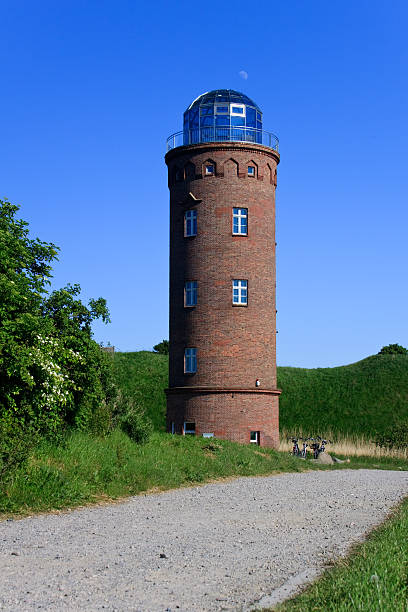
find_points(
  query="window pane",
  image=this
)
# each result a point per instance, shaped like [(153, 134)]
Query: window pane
[(207, 121), (222, 120), (237, 120), (190, 223), (237, 109), (250, 117), (193, 119), (222, 109)]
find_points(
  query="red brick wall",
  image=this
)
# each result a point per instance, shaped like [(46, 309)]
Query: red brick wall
[(230, 416), (235, 344)]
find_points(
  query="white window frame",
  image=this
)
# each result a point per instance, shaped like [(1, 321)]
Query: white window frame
[(241, 285), (190, 293), (239, 114), (190, 360), (219, 112), (209, 172), (189, 431), (256, 438), (239, 215), (189, 217), (253, 173)]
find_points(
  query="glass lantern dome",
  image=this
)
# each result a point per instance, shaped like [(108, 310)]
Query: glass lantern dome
[(222, 114)]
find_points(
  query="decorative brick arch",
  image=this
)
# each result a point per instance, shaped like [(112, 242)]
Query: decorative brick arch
[(253, 163), (209, 162), (176, 175), (189, 171), (231, 167), (269, 174)]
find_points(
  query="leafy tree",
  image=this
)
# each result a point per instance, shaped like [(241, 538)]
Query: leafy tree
[(51, 371), (393, 349), (162, 347)]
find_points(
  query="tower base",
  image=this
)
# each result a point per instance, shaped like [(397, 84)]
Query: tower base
[(239, 415)]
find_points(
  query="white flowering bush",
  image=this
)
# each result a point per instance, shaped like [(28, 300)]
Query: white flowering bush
[(50, 372)]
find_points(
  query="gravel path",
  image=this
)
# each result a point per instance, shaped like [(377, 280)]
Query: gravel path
[(223, 546)]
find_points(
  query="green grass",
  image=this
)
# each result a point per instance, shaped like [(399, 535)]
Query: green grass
[(356, 399), (373, 579), (85, 469)]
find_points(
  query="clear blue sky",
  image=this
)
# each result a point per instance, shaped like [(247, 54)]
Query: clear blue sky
[(90, 91)]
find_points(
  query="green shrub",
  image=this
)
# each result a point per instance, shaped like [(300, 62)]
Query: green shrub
[(97, 420), (395, 437), (133, 420), (393, 349), (17, 439), (162, 348)]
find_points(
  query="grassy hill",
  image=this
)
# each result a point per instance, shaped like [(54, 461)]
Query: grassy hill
[(144, 376), (359, 398)]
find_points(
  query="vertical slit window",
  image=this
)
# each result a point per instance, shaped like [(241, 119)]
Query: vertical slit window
[(190, 223), (190, 360), (240, 221), (190, 293), (240, 292), (254, 437), (189, 428)]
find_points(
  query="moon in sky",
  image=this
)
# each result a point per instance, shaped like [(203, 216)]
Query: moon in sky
[(243, 74)]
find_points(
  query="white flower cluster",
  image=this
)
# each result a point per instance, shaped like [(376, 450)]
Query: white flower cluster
[(55, 388)]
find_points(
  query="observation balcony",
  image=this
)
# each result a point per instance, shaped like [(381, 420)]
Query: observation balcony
[(223, 134)]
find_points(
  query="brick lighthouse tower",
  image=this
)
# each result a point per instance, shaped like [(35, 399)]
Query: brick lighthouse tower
[(222, 362)]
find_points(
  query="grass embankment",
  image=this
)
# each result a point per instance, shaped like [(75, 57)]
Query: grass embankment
[(374, 578), (144, 376), (85, 469), (358, 399)]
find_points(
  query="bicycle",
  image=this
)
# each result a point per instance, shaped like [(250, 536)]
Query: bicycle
[(315, 446), (295, 449), (318, 445), (303, 452), (323, 445)]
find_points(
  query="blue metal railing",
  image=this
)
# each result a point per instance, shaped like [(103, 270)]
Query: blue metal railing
[(223, 134)]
